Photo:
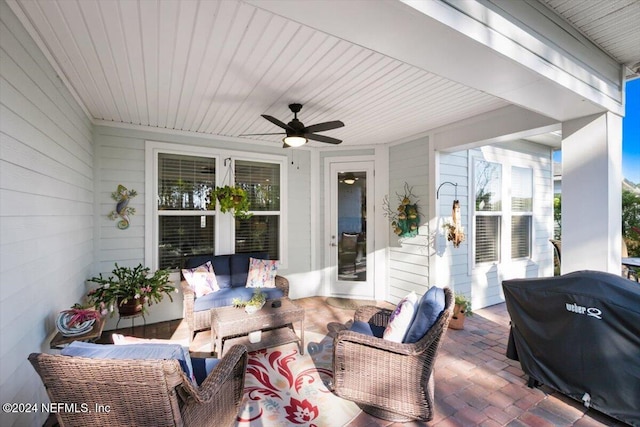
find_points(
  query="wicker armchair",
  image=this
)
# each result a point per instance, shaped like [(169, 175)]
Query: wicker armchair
[(200, 320), (142, 392), (389, 380)]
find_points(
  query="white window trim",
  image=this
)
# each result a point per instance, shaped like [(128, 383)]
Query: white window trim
[(224, 226), (506, 213)]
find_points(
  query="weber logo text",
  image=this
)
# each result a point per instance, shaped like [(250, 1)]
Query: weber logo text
[(589, 311)]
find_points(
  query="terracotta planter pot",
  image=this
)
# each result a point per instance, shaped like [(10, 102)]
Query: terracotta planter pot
[(130, 308), (457, 320)]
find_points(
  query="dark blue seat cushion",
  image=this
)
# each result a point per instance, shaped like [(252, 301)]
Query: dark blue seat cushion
[(367, 329), (202, 367), (427, 311), (225, 297), (133, 351)]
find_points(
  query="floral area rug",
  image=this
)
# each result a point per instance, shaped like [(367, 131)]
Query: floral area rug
[(284, 388)]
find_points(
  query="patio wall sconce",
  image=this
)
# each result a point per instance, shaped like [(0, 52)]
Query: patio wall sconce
[(122, 196)]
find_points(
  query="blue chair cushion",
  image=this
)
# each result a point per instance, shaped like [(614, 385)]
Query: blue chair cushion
[(240, 267), (367, 329), (133, 351), (222, 270), (202, 367), (225, 297), (429, 308)]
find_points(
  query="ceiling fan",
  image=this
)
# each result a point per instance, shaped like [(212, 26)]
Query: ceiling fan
[(297, 134)]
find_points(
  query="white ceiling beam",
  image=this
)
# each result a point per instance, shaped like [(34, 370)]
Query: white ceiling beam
[(436, 37)]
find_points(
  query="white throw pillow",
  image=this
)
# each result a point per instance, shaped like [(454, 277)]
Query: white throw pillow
[(401, 319), (201, 279), (262, 273)]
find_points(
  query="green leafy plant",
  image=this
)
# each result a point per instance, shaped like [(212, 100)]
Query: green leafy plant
[(631, 221), (257, 300), (126, 284), (464, 305), (232, 199)]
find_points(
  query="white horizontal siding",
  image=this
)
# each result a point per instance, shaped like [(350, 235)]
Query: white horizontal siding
[(120, 155), (483, 283), (409, 257), (46, 210)]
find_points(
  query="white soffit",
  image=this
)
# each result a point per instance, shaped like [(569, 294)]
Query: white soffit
[(212, 67)]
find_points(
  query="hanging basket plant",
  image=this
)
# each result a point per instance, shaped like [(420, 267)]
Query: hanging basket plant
[(455, 232), (405, 220), (232, 199)]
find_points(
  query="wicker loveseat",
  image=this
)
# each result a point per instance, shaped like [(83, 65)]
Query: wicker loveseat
[(389, 380), (134, 392), (231, 274)]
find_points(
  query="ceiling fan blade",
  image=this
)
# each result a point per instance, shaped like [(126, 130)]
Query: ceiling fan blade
[(322, 138), (324, 126), (277, 122), (257, 134)]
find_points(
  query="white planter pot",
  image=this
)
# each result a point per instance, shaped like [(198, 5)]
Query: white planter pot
[(255, 336)]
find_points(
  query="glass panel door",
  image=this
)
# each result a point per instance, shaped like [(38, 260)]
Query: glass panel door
[(350, 254)]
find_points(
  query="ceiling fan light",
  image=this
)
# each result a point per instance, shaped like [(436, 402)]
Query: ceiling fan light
[(294, 141)]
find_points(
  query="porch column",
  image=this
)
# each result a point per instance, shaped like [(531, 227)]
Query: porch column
[(591, 193)]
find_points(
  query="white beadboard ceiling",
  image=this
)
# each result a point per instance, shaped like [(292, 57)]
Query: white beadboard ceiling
[(212, 67), (614, 25)]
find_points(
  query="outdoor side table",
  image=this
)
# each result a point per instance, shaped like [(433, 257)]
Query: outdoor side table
[(231, 325), (60, 341)]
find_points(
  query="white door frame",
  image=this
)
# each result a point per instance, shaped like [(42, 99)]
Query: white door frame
[(332, 166)]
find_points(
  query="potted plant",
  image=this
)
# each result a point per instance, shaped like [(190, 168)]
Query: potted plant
[(131, 290), (461, 309), (77, 320), (254, 304), (232, 199)]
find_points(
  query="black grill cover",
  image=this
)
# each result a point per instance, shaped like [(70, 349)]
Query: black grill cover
[(580, 333)]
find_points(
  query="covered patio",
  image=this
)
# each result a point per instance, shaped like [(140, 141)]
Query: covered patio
[(97, 94), (476, 384)]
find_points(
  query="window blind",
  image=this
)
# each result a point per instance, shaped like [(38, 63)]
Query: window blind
[(184, 182), (261, 232), (487, 234), (521, 189), (261, 181), (181, 237), (521, 236), (258, 234)]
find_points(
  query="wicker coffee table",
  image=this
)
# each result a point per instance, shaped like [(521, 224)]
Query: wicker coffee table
[(230, 326)]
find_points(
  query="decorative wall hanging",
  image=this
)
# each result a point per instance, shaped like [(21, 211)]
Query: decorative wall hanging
[(122, 195), (405, 220), (455, 232)]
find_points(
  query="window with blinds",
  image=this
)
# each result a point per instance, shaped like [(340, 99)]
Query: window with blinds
[(521, 211), (487, 238), (261, 232), (488, 210), (185, 222)]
